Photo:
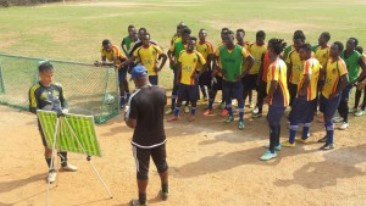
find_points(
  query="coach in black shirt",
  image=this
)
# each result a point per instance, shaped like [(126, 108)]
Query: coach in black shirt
[(145, 113)]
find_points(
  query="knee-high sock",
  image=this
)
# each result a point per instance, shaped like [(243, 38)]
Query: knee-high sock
[(330, 132), (305, 131)]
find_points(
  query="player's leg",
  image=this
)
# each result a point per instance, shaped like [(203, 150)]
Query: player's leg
[(182, 96), (237, 93), (227, 89), (358, 95), (142, 161), (158, 155), (174, 93), (193, 98), (343, 107), (329, 109), (292, 88), (363, 105), (273, 118), (260, 99)]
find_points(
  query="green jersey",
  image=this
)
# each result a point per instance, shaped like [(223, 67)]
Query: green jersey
[(127, 41), (353, 65), (232, 61)]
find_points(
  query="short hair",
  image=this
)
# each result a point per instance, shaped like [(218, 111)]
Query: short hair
[(131, 26), (192, 38), (278, 45), (186, 30), (306, 47), (202, 30), (230, 32), (240, 30), (106, 42), (260, 33), (224, 29), (299, 34), (142, 29), (45, 66), (354, 39), (326, 35), (147, 34), (339, 45), (359, 49)]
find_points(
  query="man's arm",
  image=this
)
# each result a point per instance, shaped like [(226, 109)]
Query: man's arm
[(131, 114), (64, 104), (164, 57), (250, 60), (362, 64), (179, 67), (342, 84), (260, 74), (272, 89), (32, 101), (305, 84)]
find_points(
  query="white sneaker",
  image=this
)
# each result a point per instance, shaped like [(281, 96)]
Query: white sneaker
[(256, 110), (337, 119), (344, 126), (360, 113), (52, 177), (69, 167), (352, 110)]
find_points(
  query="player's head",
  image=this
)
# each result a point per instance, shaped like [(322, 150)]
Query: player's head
[(107, 45), (299, 34), (134, 36), (131, 30), (336, 49), (139, 76), (130, 27), (180, 27), (298, 43), (142, 32), (146, 40), (191, 44), (352, 43), (229, 39), (223, 32), (202, 34), (359, 49), (186, 33), (240, 34), (260, 36), (276, 47), (305, 52), (324, 38), (45, 70)]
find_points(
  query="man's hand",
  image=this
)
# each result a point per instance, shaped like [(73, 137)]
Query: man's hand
[(239, 77), (97, 63), (267, 99)]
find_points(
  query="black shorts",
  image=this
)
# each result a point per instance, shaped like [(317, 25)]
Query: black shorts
[(217, 85), (250, 82), (302, 110), (142, 160), (205, 78), (122, 74), (44, 142), (188, 93), (329, 107), (232, 90)]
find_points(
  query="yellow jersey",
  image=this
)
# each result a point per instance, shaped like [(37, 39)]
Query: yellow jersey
[(294, 60), (334, 70), (148, 57), (277, 71), (205, 49), (312, 67), (113, 54), (189, 63), (322, 54), (257, 52)]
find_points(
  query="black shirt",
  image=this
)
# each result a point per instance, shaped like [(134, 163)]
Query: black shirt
[(146, 105), (46, 98)]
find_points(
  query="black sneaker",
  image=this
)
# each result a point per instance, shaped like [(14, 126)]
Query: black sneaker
[(136, 203), (164, 195), (327, 147), (322, 140)]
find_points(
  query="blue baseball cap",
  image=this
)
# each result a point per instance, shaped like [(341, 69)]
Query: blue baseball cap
[(138, 71)]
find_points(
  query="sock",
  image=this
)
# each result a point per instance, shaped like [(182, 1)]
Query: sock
[(142, 198), (164, 187), (63, 157), (176, 111), (293, 130), (272, 138), (48, 161), (128, 95), (230, 110), (305, 131), (330, 132), (193, 110), (241, 110), (174, 97)]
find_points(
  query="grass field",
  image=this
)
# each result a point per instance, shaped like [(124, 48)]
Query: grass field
[(211, 163)]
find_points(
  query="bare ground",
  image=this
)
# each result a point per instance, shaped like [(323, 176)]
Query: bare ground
[(210, 164)]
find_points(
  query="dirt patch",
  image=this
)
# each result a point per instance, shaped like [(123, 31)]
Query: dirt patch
[(211, 163)]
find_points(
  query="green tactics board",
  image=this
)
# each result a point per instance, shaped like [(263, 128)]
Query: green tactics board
[(75, 133)]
